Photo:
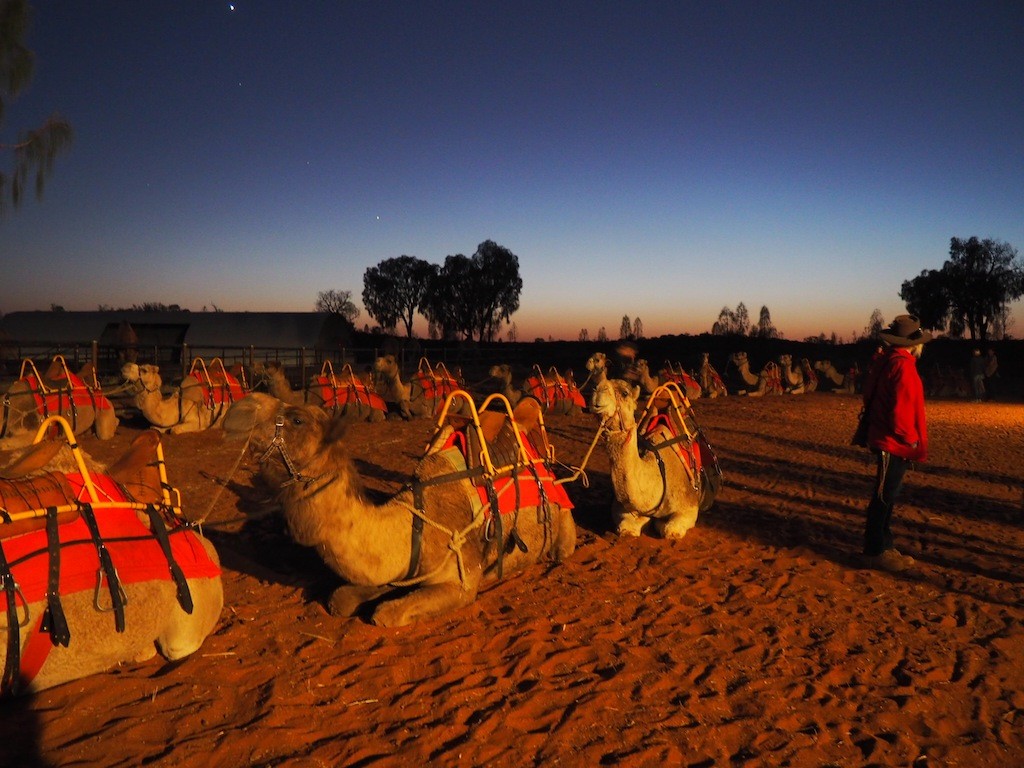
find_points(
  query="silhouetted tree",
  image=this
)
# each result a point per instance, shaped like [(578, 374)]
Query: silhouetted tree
[(584, 336), (971, 292), (625, 327), (875, 325), (602, 334), (764, 328), (396, 289), (34, 151), (638, 328), (732, 321), (337, 303)]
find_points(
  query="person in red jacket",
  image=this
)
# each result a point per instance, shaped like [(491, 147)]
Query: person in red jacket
[(897, 433)]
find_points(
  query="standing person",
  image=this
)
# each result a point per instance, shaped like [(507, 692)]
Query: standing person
[(991, 371), (897, 434), (977, 376)]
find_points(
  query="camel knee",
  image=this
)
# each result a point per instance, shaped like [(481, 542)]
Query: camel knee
[(422, 603), (630, 525)]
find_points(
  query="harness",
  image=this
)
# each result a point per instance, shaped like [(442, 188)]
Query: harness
[(63, 400)]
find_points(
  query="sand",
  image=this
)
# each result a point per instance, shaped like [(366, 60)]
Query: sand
[(759, 639)]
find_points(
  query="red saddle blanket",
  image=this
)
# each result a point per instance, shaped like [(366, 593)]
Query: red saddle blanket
[(435, 387), (135, 552), (338, 395), (222, 389), (694, 459), (529, 488), (61, 398), (550, 393)]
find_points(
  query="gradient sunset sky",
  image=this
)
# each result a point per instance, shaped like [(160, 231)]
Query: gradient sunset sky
[(660, 160)]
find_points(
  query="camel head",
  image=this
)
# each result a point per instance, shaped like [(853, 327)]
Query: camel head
[(785, 360), (739, 359), (614, 403), (148, 376), (501, 371), (597, 363), (386, 365), (291, 443)]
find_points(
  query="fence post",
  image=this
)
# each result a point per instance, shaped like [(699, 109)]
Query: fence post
[(184, 360), (96, 356), (302, 366)]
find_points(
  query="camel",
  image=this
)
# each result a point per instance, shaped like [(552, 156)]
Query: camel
[(838, 382), (346, 395), (663, 486), (89, 628), (767, 382), (640, 373), (184, 410), (434, 535), (500, 380), (711, 383), (557, 392), (687, 383), (810, 375), (422, 396), (58, 392), (792, 378)]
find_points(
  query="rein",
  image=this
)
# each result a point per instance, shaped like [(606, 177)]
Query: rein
[(294, 475)]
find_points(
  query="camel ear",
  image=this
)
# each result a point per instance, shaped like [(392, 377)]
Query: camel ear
[(245, 414), (636, 393)]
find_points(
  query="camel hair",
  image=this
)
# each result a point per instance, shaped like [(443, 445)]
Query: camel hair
[(303, 456), (792, 377), (183, 410), (499, 379), (22, 413), (154, 619), (652, 487)]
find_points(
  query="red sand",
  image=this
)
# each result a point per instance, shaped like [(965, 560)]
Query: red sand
[(757, 640)]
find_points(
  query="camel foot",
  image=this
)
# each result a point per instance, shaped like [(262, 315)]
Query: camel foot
[(676, 527), (346, 601), (631, 525)]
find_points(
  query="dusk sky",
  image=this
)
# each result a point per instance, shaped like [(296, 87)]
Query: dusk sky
[(660, 160)]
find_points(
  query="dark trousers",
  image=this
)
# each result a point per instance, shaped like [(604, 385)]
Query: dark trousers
[(889, 471)]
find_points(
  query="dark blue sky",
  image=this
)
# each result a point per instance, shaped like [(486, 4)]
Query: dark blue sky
[(657, 160)]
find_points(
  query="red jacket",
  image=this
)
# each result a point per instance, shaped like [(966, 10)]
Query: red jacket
[(894, 396)]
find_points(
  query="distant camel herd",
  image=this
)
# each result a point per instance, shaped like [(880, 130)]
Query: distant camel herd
[(484, 500)]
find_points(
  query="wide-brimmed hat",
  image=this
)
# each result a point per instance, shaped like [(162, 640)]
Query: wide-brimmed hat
[(905, 331)]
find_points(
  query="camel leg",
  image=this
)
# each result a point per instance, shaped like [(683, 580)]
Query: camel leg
[(423, 602), (346, 600), (565, 538), (676, 526), (628, 524)]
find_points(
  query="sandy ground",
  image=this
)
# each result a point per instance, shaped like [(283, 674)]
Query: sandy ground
[(757, 640)]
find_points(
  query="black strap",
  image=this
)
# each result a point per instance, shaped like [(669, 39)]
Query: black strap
[(54, 620), (159, 530), (12, 664), (107, 566)]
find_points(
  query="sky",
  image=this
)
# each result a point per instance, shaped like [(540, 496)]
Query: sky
[(654, 160)]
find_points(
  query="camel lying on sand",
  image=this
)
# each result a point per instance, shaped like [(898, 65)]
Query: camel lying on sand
[(422, 396), (58, 392), (656, 463), (792, 378), (711, 383), (435, 535), (344, 394), (836, 381), (53, 495), (199, 403), (767, 382)]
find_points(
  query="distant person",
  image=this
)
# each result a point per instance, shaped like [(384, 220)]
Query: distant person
[(978, 376), (897, 434), (991, 373)]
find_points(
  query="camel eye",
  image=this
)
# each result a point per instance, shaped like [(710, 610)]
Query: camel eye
[(297, 420)]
